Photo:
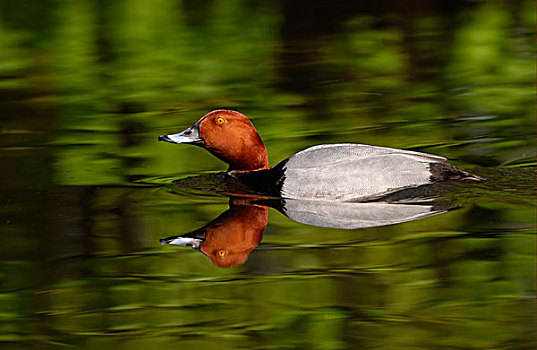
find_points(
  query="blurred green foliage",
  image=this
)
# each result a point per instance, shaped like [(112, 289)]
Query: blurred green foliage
[(87, 86)]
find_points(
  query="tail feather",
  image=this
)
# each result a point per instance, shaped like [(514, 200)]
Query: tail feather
[(443, 171)]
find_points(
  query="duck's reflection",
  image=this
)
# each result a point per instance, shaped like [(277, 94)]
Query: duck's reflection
[(228, 240)]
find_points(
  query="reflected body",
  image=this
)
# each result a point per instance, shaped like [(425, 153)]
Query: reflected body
[(337, 172)]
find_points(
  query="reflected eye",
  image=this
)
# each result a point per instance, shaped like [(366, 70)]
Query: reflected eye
[(222, 253), (220, 120)]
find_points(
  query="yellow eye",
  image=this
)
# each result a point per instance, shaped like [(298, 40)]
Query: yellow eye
[(220, 120), (222, 253)]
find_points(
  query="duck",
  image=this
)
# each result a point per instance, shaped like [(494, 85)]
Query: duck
[(330, 172)]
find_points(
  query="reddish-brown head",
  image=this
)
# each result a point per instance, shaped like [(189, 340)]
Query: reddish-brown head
[(228, 135)]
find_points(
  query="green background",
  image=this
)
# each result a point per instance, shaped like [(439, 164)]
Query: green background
[(87, 86)]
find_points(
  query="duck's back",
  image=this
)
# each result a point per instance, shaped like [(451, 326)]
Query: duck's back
[(345, 172)]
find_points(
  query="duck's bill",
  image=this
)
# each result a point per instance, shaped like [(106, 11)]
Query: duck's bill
[(190, 135), (192, 242)]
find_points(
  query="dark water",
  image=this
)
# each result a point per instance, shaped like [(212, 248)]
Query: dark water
[(87, 86)]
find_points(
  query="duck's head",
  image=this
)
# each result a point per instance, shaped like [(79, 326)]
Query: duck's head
[(228, 135)]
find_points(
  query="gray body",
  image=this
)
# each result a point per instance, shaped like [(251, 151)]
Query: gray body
[(344, 172)]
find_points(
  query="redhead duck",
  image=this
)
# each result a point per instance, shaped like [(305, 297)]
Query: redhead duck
[(335, 172)]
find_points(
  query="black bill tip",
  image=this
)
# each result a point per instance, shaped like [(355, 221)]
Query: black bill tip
[(164, 138)]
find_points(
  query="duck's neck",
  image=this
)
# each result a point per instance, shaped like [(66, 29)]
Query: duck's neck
[(251, 158)]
